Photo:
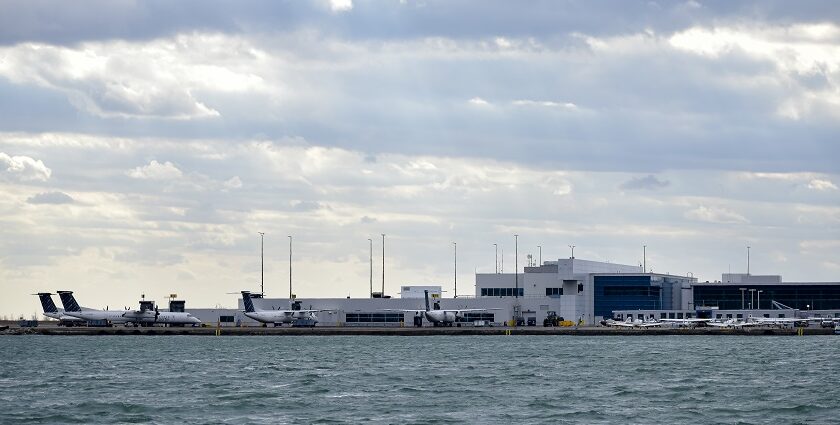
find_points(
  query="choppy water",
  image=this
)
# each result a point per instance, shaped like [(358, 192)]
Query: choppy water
[(469, 379)]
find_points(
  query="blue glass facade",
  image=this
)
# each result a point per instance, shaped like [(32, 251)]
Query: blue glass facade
[(625, 293), (795, 295)]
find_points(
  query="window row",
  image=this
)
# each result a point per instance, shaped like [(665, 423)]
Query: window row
[(374, 317), (502, 292), (553, 291)]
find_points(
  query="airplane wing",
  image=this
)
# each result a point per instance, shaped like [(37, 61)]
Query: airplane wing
[(685, 320), (403, 311), (467, 310)]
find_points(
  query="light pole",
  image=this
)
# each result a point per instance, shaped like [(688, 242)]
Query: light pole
[(644, 258), (262, 263), (540, 248), (758, 299), (752, 296), (371, 266), (497, 257), (573, 251), (748, 260), (742, 297), (516, 266), (455, 244), (291, 295), (383, 265)]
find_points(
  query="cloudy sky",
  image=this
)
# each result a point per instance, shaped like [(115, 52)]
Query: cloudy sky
[(143, 145)]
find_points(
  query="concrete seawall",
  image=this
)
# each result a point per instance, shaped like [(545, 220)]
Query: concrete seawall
[(396, 331)]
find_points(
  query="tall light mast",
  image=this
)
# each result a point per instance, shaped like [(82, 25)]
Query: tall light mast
[(262, 264)]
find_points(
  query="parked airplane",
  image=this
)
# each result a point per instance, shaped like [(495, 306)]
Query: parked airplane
[(779, 321), (731, 323), (825, 322), (145, 317), (72, 308), (441, 317), (151, 317), (692, 322), (277, 317), (630, 323), (51, 311)]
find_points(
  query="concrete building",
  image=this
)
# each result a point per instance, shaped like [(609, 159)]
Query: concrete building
[(582, 291), (589, 291)]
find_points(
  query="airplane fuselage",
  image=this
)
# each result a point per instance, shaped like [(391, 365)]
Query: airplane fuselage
[(113, 316), (441, 316), (61, 316), (280, 316), (165, 317)]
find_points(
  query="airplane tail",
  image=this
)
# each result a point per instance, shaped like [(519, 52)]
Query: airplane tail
[(47, 302), (426, 293), (246, 300), (68, 301)]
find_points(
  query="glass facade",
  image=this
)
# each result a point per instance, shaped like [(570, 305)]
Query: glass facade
[(374, 317), (470, 317), (625, 293), (799, 296), (501, 292)]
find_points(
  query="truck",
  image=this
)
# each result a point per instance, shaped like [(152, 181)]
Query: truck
[(552, 319)]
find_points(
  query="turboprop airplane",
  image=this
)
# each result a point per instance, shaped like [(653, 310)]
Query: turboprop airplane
[(692, 322), (276, 317), (441, 317), (150, 317), (72, 308), (51, 311), (730, 323), (630, 323), (779, 321)]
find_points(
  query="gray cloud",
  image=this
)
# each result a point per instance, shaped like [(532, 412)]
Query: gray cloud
[(59, 23), (649, 182), (50, 198)]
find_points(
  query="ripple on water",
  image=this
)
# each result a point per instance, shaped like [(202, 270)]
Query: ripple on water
[(480, 379)]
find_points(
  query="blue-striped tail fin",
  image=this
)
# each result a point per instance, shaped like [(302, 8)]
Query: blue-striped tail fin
[(47, 302), (246, 300), (68, 301)]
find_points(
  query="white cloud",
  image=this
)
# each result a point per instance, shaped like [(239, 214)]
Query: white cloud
[(714, 214), (25, 168), (478, 101), (341, 5), (233, 183), (799, 52), (156, 79), (547, 103), (821, 185), (156, 171)]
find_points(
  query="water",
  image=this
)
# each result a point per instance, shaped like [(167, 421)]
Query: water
[(460, 379)]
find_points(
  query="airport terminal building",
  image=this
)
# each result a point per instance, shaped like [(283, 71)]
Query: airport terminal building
[(578, 290)]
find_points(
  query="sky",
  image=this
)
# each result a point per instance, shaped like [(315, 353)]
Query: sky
[(144, 145)]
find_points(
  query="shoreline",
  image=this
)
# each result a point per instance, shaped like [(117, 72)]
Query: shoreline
[(406, 331)]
